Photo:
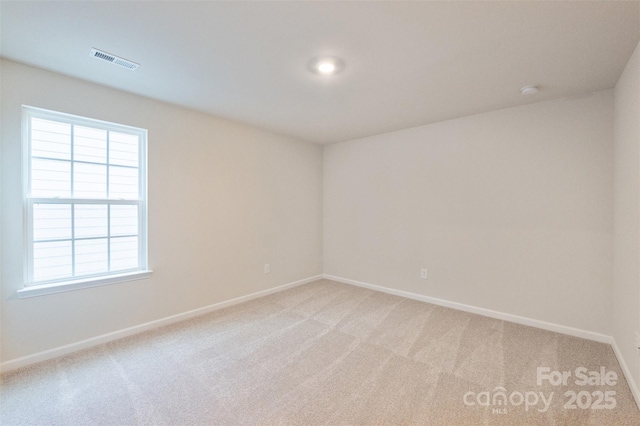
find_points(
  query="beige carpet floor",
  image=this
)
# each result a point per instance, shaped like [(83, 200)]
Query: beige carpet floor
[(324, 353)]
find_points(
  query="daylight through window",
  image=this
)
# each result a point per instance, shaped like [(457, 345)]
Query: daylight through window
[(86, 197)]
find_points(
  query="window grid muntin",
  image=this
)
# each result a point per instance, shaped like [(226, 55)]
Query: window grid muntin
[(140, 202), (72, 171), (109, 237)]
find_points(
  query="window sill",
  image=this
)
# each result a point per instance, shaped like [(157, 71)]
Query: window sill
[(41, 290)]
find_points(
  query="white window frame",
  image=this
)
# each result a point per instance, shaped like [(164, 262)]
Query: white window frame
[(32, 288)]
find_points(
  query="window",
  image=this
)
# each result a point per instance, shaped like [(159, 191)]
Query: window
[(85, 186)]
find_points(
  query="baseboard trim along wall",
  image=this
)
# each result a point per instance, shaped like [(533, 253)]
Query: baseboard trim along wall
[(590, 335), (571, 331), (109, 337), (635, 391)]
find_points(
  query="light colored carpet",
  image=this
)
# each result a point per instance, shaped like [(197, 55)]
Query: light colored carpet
[(322, 353)]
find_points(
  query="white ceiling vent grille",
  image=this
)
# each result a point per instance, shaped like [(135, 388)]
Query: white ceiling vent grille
[(113, 59)]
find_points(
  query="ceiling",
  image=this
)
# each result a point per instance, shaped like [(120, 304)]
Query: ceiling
[(407, 63)]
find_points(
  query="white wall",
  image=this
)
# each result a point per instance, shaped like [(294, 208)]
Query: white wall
[(509, 210), (224, 199), (626, 273)]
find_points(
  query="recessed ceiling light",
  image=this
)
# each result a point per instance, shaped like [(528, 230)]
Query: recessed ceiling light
[(529, 90), (326, 65)]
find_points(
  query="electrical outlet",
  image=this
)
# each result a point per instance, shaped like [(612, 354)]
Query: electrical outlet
[(267, 268), (424, 274), (638, 342)]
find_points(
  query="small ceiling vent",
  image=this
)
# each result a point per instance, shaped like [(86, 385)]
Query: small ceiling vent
[(113, 59)]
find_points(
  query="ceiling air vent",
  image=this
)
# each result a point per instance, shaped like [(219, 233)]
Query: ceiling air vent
[(113, 59)]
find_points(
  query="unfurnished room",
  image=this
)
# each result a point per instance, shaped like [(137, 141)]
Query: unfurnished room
[(319, 213)]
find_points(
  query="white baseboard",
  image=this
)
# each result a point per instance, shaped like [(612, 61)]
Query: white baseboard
[(585, 334), (108, 337), (571, 331), (627, 372)]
